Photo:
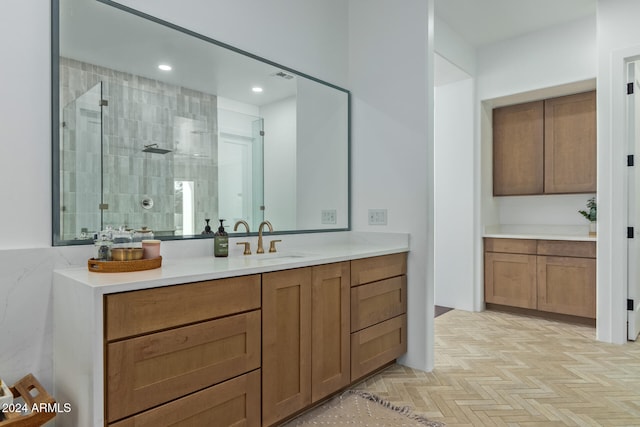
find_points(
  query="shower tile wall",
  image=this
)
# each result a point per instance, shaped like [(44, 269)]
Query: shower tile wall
[(140, 112)]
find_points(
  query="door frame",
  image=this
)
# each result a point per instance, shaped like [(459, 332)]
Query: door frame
[(612, 252), (632, 69)]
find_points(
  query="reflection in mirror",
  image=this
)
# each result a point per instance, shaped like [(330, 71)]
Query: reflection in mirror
[(136, 146)]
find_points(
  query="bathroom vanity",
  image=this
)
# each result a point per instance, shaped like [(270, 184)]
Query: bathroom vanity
[(253, 339)]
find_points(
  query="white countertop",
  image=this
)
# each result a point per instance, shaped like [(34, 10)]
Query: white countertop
[(540, 232), (297, 252)]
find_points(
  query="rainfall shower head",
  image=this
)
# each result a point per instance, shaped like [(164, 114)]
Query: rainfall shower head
[(153, 148)]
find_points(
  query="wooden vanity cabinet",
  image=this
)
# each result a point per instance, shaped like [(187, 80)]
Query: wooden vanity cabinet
[(378, 312), (172, 351), (305, 335), (545, 147), (552, 276), (250, 350)]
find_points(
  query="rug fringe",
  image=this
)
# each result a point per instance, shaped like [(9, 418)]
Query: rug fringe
[(404, 410)]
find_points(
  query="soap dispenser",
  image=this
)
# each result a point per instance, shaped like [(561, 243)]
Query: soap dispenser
[(207, 228), (221, 242)]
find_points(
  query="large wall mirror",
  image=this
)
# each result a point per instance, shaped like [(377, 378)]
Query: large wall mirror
[(156, 126)]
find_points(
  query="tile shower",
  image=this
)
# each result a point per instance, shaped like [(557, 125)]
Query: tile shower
[(108, 117)]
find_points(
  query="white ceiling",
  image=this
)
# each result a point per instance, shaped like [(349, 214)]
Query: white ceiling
[(482, 22), (87, 34)]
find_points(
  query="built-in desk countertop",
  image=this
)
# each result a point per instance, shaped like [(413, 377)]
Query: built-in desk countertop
[(540, 232)]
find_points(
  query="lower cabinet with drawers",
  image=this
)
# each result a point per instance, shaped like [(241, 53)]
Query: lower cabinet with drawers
[(554, 276), (251, 350), (378, 312), (181, 346)]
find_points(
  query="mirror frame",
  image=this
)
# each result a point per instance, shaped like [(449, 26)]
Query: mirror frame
[(55, 123)]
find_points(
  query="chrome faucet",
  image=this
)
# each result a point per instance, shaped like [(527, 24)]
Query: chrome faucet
[(262, 224), (247, 245)]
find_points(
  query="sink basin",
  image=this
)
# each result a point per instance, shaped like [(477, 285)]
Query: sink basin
[(278, 256)]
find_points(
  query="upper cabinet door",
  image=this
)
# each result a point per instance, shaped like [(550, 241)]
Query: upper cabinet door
[(570, 144), (518, 149)]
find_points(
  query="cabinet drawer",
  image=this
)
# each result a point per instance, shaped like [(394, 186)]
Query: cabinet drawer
[(377, 345), (153, 369), (375, 302), (235, 402), (138, 312), (378, 268), (510, 246), (567, 248)]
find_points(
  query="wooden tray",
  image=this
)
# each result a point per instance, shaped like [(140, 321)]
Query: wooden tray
[(22, 389), (123, 266)]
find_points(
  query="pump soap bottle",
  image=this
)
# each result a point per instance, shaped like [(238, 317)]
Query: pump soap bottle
[(221, 242)]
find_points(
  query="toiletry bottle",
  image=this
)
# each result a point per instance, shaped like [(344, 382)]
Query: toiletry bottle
[(221, 242)]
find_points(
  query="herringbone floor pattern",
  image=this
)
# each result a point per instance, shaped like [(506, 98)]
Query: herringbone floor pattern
[(498, 369)]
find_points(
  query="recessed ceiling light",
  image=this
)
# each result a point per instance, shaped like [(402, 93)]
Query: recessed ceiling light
[(256, 89), (165, 67)]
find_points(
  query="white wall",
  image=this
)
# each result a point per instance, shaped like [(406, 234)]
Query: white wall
[(391, 63), (25, 150), (454, 195), (556, 61), (280, 163), (552, 57), (323, 126), (307, 35), (450, 45)]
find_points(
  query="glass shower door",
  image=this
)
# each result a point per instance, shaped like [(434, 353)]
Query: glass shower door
[(240, 168), (80, 166)]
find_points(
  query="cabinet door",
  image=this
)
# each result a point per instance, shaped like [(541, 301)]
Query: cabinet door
[(286, 343), (570, 144), (330, 341), (510, 279), (567, 285), (518, 149)]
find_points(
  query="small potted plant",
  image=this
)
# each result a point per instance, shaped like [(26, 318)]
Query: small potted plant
[(591, 214)]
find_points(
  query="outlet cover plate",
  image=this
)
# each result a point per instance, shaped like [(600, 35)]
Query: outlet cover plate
[(377, 217)]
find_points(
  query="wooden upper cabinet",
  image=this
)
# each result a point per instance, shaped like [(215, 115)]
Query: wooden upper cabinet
[(570, 144), (545, 147), (518, 149)]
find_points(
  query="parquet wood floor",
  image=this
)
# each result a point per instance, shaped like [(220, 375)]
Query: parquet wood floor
[(499, 369)]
